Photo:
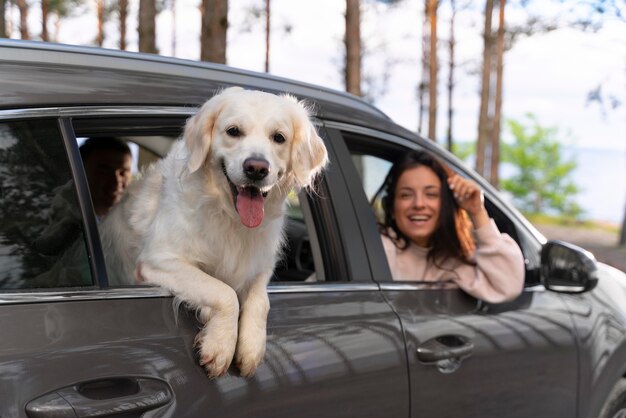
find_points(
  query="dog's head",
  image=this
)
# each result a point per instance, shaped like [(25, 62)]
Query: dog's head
[(259, 143)]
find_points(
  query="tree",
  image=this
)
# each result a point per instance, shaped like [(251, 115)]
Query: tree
[(3, 23), (147, 26), (45, 11), (213, 32), (423, 85), (100, 13), (484, 131), (22, 6), (433, 67), (455, 8), (451, 66), (123, 15), (497, 112), (256, 14), (353, 47), (542, 177)]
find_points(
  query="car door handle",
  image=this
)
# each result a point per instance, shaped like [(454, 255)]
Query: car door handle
[(445, 347), (101, 398)]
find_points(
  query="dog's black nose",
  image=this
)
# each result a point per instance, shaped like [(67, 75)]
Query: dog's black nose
[(256, 168)]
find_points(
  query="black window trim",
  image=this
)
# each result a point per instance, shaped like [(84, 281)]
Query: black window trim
[(333, 215), (90, 227), (367, 230)]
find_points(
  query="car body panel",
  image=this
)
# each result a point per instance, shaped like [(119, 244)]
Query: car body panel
[(601, 334), (528, 343), (94, 76), (342, 360)]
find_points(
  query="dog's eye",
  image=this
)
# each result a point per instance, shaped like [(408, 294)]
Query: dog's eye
[(233, 131), (278, 138)]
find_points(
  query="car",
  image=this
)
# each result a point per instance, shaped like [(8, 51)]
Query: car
[(343, 338)]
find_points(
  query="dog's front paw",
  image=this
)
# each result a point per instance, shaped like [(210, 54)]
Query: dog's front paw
[(250, 351), (216, 349)]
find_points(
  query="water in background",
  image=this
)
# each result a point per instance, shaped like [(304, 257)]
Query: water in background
[(601, 174)]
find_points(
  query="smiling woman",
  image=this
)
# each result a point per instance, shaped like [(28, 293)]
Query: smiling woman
[(427, 235)]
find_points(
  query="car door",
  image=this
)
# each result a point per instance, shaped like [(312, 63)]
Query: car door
[(72, 345), (516, 359)]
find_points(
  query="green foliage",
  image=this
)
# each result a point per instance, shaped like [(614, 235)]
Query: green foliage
[(464, 150), (542, 181)]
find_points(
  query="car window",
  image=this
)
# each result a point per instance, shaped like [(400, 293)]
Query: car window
[(373, 159), (300, 259), (41, 234), (372, 171)]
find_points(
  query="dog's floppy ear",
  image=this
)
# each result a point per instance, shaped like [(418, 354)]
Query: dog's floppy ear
[(199, 128), (308, 154)]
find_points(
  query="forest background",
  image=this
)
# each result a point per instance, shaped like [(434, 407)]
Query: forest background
[(472, 75)]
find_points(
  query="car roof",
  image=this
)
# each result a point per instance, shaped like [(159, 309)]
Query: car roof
[(38, 74)]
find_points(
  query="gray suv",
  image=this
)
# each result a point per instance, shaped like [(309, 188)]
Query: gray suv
[(344, 339)]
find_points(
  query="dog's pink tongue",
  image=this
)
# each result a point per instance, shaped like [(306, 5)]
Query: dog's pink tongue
[(250, 208)]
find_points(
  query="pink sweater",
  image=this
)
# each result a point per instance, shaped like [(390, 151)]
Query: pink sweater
[(498, 275)]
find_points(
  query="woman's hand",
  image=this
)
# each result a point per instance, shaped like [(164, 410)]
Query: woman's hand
[(470, 197)]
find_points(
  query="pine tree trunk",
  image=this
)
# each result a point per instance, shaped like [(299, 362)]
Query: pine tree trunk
[(483, 118), (451, 68), (44, 20), (123, 11), (353, 47), (3, 22), (495, 138), (100, 14), (213, 32), (432, 78), (147, 24), (423, 86), (22, 5)]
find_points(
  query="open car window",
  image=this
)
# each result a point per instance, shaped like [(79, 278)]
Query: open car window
[(151, 138), (373, 158)]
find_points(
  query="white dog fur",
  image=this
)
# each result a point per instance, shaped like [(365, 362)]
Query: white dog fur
[(181, 225)]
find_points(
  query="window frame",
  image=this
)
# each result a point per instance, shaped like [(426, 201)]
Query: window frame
[(530, 240), (332, 216), (32, 116)]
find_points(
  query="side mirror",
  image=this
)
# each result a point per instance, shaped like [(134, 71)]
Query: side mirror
[(567, 268)]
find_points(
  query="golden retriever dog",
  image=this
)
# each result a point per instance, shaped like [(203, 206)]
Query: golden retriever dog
[(206, 222)]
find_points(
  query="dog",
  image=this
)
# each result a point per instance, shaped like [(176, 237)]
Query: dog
[(206, 222)]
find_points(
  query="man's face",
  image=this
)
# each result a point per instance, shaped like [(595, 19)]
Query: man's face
[(108, 173)]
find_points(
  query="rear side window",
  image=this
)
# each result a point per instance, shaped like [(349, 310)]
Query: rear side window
[(41, 233)]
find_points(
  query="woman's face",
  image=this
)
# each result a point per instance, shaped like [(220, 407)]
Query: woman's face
[(417, 204)]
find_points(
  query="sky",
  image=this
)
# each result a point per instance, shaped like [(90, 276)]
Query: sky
[(549, 75)]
